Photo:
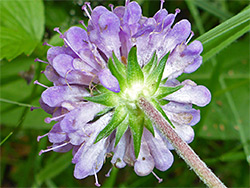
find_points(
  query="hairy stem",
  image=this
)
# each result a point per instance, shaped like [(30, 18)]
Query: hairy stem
[(181, 147)]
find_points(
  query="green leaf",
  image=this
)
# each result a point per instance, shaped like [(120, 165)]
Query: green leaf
[(164, 91), (212, 8), (136, 122), (134, 72), (150, 66), (117, 118), (121, 129), (22, 27), (107, 99), (158, 107), (223, 35), (154, 79), (119, 75)]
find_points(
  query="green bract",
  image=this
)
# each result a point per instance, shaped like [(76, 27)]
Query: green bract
[(134, 83)]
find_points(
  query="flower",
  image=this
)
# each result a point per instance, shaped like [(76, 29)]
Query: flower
[(100, 73)]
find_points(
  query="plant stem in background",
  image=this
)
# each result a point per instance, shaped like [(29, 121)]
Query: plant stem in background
[(181, 147)]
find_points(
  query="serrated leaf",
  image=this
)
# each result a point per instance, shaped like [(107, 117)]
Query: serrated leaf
[(149, 67), (136, 122), (154, 79), (158, 107), (164, 91), (121, 129), (119, 76), (117, 118), (134, 72), (22, 27), (148, 124), (107, 99), (224, 34)]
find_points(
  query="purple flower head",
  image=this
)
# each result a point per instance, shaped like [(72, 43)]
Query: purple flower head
[(100, 73)]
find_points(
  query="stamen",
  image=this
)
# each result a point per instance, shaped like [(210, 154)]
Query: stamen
[(42, 72), (96, 180), (159, 179), (39, 60), (34, 108), (82, 22), (52, 148), (162, 2), (111, 7), (84, 7), (47, 44), (38, 83), (39, 137), (108, 174), (177, 11), (88, 4), (48, 119), (190, 37), (58, 31)]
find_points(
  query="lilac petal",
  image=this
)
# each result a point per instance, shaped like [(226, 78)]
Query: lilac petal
[(163, 158), (45, 107), (57, 50), (76, 119), (119, 152), (178, 34), (108, 80), (182, 113), (95, 127), (119, 12), (89, 60), (63, 64), (160, 15), (191, 93), (91, 161), (56, 135), (109, 22), (63, 149), (186, 132), (183, 57), (79, 77), (96, 13), (55, 95), (77, 38), (144, 164), (132, 13), (194, 66)]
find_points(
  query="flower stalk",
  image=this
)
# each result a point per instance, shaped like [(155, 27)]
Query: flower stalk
[(181, 147)]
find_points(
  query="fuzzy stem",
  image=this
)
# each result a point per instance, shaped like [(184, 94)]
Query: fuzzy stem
[(181, 147)]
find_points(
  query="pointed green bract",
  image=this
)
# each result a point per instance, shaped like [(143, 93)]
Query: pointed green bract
[(107, 99), (147, 69), (136, 122), (148, 124), (121, 129), (117, 73), (119, 65), (134, 72), (158, 107), (164, 91), (125, 103), (117, 118), (154, 79)]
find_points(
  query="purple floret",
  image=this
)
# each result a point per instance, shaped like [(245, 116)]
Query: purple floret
[(81, 63)]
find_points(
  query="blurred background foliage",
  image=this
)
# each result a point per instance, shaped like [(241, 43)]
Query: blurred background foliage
[(222, 136)]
